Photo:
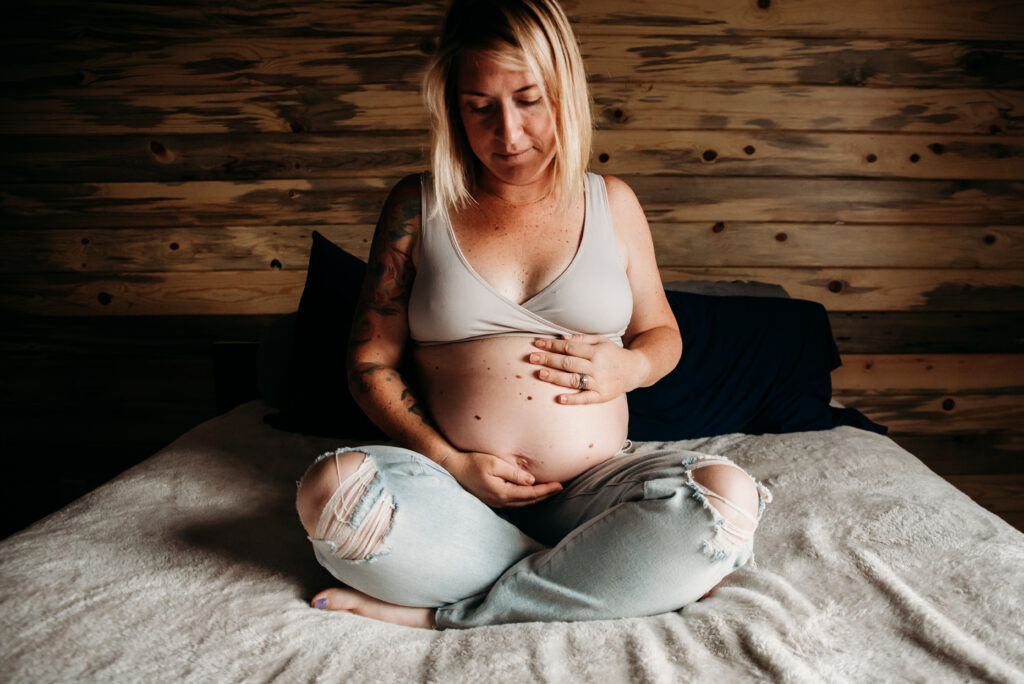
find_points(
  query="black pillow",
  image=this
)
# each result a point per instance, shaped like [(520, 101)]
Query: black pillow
[(316, 396), (750, 364)]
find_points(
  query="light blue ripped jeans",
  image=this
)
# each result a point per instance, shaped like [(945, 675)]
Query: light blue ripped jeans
[(632, 536)]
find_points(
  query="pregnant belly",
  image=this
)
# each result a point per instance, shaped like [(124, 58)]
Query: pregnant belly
[(485, 396)]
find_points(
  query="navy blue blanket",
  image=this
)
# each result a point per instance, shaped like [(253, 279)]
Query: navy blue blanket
[(750, 364)]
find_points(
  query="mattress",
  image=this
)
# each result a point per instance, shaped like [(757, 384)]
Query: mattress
[(192, 566)]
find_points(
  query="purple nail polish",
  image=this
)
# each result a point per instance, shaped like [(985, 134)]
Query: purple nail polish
[(320, 604)]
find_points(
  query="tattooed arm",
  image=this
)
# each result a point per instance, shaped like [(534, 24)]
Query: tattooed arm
[(380, 332), (380, 329)]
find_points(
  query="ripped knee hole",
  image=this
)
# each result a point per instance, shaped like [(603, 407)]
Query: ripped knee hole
[(731, 492), (358, 515)]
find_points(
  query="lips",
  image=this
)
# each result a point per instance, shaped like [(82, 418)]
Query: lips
[(512, 156)]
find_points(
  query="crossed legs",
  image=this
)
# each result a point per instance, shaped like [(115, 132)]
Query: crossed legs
[(333, 504)]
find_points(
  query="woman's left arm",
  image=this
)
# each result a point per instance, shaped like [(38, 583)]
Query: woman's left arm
[(652, 345)]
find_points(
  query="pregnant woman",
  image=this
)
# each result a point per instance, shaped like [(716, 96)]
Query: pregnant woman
[(511, 301)]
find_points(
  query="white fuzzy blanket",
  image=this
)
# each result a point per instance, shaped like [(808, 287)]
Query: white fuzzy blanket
[(192, 566)]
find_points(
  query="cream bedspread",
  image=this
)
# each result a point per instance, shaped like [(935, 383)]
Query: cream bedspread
[(192, 567)]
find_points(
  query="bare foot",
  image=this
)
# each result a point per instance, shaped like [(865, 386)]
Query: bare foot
[(352, 601)]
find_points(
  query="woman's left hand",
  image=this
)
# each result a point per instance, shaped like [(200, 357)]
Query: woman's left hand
[(600, 369)]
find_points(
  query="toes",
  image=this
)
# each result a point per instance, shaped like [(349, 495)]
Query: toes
[(331, 599)]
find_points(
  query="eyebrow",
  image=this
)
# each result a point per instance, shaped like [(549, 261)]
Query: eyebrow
[(478, 94)]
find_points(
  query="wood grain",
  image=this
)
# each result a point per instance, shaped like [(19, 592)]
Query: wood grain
[(655, 105), (673, 55), (937, 19), (697, 244), (172, 157), (277, 291), (332, 201), (953, 373)]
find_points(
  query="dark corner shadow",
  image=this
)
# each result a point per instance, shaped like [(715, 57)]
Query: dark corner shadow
[(267, 541)]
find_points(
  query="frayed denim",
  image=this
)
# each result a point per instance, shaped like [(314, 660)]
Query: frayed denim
[(633, 536)]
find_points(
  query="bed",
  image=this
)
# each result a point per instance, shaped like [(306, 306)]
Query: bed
[(192, 566)]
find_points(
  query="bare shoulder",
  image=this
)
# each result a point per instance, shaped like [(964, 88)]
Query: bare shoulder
[(403, 204), (627, 214), (619, 190)]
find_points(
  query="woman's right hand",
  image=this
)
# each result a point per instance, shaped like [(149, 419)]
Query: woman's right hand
[(497, 482)]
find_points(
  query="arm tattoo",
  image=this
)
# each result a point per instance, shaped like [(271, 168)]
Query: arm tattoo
[(413, 406), (390, 270), (390, 266), (361, 376)]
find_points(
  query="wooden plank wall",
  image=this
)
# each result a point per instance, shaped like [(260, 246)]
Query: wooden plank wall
[(165, 163)]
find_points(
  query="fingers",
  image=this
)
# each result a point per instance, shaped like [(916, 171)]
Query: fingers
[(579, 398), (570, 364), (511, 473), (517, 486), (581, 346), (524, 496), (573, 380)]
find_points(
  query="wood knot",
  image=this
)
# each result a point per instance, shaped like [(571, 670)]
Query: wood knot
[(291, 193), (993, 129), (603, 157), (914, 158), (871, 158), (104, 298), (749, 149), (274, 263), (764, 4), (160, 152), (781, 237), (937, 148), (948, 404), (85, 241), (297, 127), (709, 155), (618, 114), (718, 227), (427, 46), (835, 286), (174, 246), (990, 239)]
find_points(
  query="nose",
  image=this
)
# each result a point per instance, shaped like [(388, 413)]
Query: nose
[(510, 126)]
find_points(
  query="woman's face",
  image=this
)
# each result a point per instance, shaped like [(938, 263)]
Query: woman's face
[(506, 120)]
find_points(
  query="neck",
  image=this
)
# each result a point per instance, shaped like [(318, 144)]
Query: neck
[(515, 195)]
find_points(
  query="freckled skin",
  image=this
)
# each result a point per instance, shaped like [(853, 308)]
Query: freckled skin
[(550, 440)]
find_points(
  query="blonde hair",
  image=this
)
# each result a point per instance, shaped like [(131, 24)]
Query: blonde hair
[(534, 34)]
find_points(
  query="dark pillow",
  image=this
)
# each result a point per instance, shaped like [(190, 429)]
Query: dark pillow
[(750, 364), (315, 397)]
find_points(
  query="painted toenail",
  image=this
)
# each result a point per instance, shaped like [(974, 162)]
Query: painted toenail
[(320, 604)]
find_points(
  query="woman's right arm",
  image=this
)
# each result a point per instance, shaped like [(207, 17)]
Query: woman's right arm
[(380, 333), (380, 329)]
